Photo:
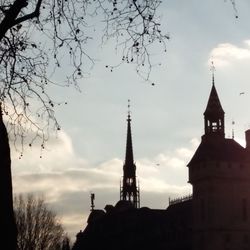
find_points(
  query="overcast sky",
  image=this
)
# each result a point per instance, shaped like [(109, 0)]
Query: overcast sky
[(167, 118)]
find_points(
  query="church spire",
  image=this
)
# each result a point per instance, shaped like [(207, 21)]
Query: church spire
[(129, 190), (214, 114), (129, 157)]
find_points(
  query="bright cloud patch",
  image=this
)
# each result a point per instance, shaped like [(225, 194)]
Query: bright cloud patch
[(226, 53), (58, 155)]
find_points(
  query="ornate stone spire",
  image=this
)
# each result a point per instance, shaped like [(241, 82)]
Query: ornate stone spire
[(129, 190), (129, 157)]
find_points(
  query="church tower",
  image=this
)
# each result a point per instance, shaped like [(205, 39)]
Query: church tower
[(219, 172), (7, 221), (129, 190)]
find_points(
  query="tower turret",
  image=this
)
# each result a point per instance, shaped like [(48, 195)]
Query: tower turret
[(220, 175), (214, 115), (129, 190)]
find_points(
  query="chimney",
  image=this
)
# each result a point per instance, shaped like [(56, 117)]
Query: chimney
[(247, 134)]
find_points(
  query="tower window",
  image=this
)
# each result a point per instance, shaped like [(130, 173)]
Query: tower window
[(129, 181), (214, 126)]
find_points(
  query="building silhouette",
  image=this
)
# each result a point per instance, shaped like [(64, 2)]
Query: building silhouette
[(220, 175), (7, 221), (215, 217)]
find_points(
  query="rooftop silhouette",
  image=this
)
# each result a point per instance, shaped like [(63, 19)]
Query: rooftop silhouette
[(215, 216)]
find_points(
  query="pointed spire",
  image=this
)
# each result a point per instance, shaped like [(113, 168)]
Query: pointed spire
[(129, 158), (213, 106), (214, 114), (128, 190)]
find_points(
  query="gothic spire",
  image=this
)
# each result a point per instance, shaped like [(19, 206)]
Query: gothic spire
[(129, 157), (213, 105), (129, 190)]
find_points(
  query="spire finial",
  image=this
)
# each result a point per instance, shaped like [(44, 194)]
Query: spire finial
[(92, 197), (212, 68), (129, 111), (233, 122)]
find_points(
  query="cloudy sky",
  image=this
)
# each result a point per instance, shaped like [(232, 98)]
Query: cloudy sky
[(167, 118)]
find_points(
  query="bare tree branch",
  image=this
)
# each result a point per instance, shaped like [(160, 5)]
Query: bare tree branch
[(32, 15), (38, 226), (37, 37), (11, 15)]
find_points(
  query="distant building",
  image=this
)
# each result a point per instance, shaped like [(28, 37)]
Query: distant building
[(215, 217)]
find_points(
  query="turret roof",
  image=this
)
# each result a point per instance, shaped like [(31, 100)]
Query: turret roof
[(223, 150), (214, 106)]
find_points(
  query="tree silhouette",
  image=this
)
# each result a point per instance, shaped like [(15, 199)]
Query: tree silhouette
[(41, 37), (38, 226), (66, 243), (7, 219)]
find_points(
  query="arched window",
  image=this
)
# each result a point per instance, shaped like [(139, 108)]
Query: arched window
[(129, 181)]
